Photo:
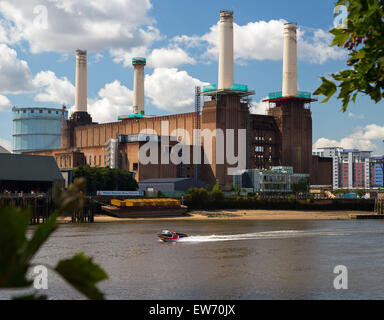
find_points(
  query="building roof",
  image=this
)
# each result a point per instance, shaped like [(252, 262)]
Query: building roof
[(164, 180), (20, 167)]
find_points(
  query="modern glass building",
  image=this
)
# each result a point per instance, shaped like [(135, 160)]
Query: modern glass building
[(277, 180), (37, 128)]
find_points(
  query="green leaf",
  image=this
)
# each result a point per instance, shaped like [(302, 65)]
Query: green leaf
[(327, 88), (13, 226), (83, 275), (341, 37), (39, 237)]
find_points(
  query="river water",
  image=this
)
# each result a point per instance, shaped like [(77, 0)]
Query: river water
[(224, 259)]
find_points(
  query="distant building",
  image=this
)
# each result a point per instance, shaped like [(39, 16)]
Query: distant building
[(353, 168), (168, 184), (277, 180), (377, 179), (37, 128)]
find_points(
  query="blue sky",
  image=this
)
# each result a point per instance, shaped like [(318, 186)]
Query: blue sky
[(38, 39)]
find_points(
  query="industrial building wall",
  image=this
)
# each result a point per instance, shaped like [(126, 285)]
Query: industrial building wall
[(98, 134), (264, 143), (321, 172), (295, 124)]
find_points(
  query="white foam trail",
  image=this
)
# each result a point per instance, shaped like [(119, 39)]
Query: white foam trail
[(258, 235)]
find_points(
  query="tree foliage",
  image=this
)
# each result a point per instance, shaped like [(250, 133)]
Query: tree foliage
[(17, 251), (363, 38), (216, 193), (105, 179)]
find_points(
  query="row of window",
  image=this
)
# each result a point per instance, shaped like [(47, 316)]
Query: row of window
[(96, 161), (40, 111), (64, 161)]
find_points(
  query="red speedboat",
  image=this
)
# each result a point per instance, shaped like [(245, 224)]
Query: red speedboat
[(171, 236)]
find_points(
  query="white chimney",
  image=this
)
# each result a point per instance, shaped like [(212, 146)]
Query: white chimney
[(290, 61), (81, 81), (225, 50), (138, 85)]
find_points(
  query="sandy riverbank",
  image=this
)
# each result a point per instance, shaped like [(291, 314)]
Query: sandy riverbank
[(243, 215)]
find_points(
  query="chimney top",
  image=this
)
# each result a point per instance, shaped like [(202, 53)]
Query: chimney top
[(226, 14), (139, 60), (81, 52), (290, 25)]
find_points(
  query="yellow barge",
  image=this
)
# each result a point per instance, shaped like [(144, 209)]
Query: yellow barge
[(145, 208)]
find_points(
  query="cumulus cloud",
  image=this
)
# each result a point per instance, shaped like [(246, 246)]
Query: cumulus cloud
[(263, 40), (93, 25), (172, 90), (5, 104), (169, 58), (361, 138), (314, 46), (113, 100), (259, 107), (125, 56), (54, 89), (15, 75), (355, 116)]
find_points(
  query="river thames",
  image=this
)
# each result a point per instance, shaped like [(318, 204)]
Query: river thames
[(223, 259)]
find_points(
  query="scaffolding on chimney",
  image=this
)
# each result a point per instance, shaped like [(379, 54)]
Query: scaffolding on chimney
[(197, 131)]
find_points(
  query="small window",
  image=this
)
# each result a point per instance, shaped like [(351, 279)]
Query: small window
[(135, 166), (32, 111), (90, 160), (41, 111), (49, 111)]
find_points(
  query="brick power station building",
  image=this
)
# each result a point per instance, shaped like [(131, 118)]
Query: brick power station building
[(281, 138)]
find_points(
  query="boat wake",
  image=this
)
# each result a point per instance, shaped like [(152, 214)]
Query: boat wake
[(261, 235)]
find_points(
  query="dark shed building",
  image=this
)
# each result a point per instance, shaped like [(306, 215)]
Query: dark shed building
[(27, 172)]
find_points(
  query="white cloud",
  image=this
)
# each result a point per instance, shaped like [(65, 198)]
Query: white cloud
[(316, 47), (114, 99), (259, 107), (6, 144), (15, 75), (355, 116), (53, 89), (361, 138), (263, 40), (172, 90), (125, 56), (169, 58), (5, 104), (93, 25)]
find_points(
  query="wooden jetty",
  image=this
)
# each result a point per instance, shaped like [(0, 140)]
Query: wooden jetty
[(378, 212), (41, 205)]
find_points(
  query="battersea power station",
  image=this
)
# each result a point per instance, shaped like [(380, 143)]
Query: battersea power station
[(239, 140)]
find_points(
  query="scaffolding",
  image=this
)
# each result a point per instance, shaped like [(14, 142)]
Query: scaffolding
[(197, 148)]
